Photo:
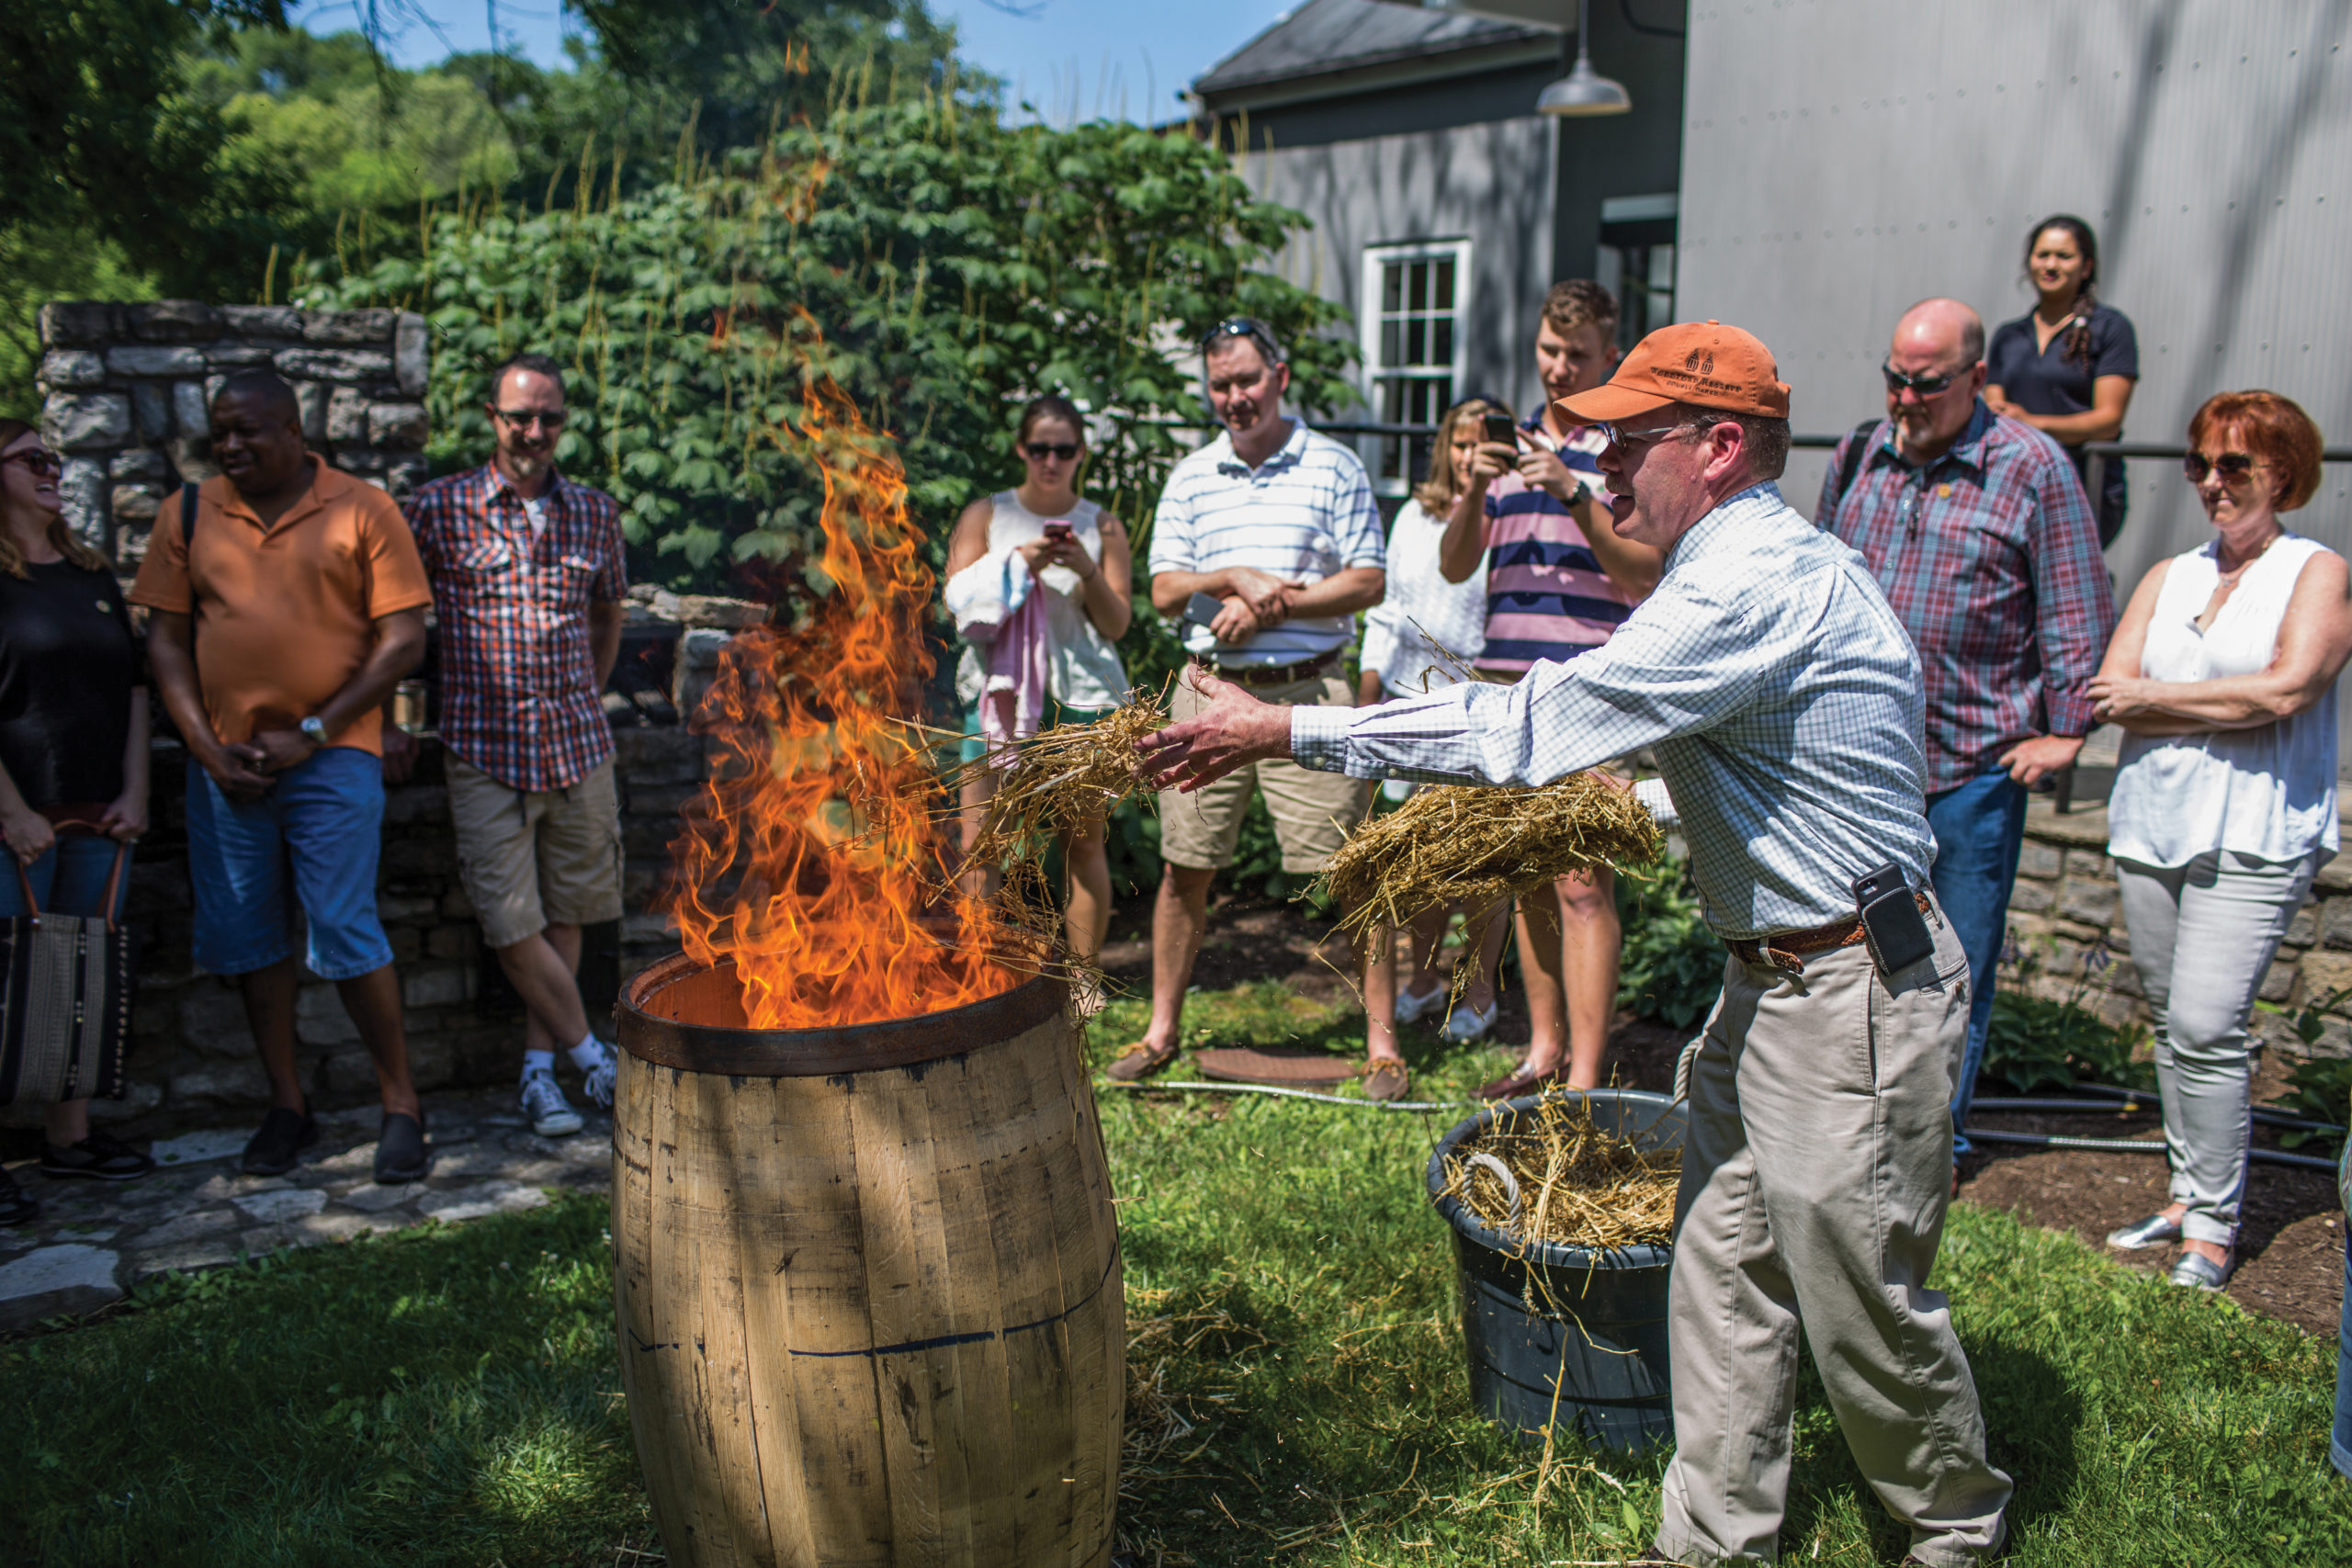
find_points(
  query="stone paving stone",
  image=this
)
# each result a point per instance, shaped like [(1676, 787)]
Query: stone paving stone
[(202, 1223), (371, 1199), (90, 1233), (53, 1279), (183, 1258), (274, 1208), (193, 1148), (227, 1186)]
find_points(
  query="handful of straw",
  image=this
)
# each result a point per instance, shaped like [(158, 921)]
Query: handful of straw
[(1474, 846), (1060, 778), (1578, 1186)]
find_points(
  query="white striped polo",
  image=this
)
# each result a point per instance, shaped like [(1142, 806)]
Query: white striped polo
[(1303, 514)]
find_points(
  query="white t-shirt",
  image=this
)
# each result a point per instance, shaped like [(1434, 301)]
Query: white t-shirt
[(534, 507)]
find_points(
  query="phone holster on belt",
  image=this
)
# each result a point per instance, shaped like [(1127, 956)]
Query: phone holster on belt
[(1897, 934)]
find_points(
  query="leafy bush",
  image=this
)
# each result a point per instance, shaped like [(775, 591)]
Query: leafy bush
[(1672, 967), (2036, 1041)]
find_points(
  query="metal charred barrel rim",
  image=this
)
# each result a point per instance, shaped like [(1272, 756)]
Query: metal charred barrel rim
[(816, 1052)]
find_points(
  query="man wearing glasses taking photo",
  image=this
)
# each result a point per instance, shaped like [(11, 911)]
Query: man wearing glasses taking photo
[(529, 582), (1278, 526), (1977, 528)]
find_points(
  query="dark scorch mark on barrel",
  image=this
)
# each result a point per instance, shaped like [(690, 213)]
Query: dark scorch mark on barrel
[(942, 1341)]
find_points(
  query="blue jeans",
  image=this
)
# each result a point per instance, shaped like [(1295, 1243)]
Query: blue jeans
[(1979, 828), (69, 878), (315, 835), (2339, 1444)]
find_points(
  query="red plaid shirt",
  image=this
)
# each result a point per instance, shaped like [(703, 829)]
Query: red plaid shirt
[(1990, 557), (519, 696)]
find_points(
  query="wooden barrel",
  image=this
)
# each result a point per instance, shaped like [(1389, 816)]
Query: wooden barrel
[(868, 1282)]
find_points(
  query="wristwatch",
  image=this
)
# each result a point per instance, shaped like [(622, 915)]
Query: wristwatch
[(314, 731)]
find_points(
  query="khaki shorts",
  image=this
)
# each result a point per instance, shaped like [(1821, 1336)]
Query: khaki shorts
[(537, 858), (1312, 810)]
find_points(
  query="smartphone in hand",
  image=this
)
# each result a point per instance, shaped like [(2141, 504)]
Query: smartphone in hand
[(1500, 431), (1203, 608), (1059, 533)]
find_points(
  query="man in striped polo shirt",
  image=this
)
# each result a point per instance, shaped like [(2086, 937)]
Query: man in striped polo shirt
[(1558, 581), (1279, 524)]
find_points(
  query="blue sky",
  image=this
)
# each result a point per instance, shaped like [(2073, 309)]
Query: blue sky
[(1121, 58)]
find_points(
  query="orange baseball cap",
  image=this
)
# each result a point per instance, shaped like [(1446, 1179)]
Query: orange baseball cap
[(1704, 364)]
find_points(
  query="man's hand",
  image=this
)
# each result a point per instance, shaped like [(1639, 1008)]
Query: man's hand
[(1490, 461), (400, 754), (2030, 761), (1543, 469), (274, 751), (1267, 596), (237, 770), (1236, 729)]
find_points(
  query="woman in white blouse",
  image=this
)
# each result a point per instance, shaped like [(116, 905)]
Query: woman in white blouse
[(1424, 633), (2223, 672)]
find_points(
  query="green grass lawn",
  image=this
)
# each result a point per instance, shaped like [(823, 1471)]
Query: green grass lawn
[(447, 1396)]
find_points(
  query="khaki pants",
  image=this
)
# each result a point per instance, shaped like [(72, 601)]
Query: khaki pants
[(530, 858), (1312, 810), (1814, 1178)]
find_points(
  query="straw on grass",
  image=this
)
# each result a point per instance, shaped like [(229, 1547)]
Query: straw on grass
[(1578, 1184), (1472, 847)]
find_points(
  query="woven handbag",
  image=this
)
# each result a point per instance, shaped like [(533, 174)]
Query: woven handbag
[(64, 1001)]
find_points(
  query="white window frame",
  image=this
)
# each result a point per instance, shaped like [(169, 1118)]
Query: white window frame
[(1375, 449)]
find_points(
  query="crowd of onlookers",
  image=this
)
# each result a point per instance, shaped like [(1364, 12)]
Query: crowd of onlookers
[(286, 600)]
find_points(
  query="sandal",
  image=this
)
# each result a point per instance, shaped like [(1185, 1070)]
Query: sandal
[(1386, 1081), (1522, 1081), (1140, 1060)]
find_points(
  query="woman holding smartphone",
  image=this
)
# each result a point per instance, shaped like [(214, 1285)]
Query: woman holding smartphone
[(1077, 561)]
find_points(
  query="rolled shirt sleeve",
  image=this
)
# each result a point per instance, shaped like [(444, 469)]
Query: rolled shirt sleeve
[(2074, 602)]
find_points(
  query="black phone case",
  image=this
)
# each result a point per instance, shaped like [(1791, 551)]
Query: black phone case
[(1507, 436), (1897, 934)]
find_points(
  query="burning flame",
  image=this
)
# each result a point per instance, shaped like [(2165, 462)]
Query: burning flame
[(816, 817)]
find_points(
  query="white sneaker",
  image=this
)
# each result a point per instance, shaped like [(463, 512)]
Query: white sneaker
[(545, 1108), (1467, 1023), (1412, 1009), (598, 1087)]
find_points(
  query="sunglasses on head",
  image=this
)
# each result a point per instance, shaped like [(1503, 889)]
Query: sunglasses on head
[(1924, 386), (1040, 450), (1256, 330), (521, 418), (2234, 467), (39, 459)]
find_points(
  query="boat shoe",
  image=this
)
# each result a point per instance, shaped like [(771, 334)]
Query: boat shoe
[(2156, 1230)]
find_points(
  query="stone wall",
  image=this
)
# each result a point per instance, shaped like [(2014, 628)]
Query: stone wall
[(128, 388), (2065, 912)]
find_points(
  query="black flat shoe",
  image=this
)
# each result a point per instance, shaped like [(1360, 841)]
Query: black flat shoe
[(400, 1154), (16, 1206), (283, 1135), (99, 1156)]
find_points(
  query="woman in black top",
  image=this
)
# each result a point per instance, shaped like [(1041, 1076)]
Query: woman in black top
[(2068, 365), (73, 748)]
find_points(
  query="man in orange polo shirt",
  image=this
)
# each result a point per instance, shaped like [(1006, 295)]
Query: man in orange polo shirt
[(283, 613)]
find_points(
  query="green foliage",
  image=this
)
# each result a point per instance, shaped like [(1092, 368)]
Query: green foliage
[(2036, 1041), (939, 264), (42, 262), (1672, 967), (2320, 1089)]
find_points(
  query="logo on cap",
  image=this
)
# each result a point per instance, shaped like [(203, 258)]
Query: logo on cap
[(1699, 360)]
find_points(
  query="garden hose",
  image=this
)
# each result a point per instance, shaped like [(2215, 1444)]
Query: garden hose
[(2135, 1146)]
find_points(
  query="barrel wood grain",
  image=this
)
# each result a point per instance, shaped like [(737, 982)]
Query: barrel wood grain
[(875, 1318)]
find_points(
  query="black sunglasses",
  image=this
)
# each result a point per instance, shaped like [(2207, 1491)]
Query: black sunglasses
[(1924, 386), (1256, 330), (1040, 450), (39, 459), (521, 418), (2234, 467)]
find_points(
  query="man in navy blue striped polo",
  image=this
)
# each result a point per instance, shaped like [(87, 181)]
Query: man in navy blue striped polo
[(1279, 524)]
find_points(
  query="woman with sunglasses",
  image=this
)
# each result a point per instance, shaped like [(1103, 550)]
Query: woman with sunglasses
[(1075, 557), (2223, 672), (73, 750), (2067, 366), (1424, 633)]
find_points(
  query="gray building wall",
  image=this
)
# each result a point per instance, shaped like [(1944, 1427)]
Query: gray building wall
[(1844, 158), (1614, 155)]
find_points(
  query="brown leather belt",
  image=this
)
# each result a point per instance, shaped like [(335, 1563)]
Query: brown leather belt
[(1785, 949), (1270, 674)]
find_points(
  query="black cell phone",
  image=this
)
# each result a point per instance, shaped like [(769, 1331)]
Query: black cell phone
[(1500, 430), (1203, 608), (1892, 924), (1058, 530)]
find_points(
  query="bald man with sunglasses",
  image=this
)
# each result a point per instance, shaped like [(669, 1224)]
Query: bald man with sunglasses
[(1977, 529)]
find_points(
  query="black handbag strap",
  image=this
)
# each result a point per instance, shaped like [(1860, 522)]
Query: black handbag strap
[(1850, 467)]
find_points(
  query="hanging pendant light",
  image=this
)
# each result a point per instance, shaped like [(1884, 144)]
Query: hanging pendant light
[(1584, 91)]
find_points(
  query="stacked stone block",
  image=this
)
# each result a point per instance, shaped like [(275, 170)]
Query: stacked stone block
[(128, 390)]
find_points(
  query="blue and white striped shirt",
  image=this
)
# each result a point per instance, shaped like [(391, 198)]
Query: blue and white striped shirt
[(1781, 693), (1303, 514)]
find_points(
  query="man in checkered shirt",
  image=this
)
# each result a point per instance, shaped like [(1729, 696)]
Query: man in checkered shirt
[(1782, 698), (527, 583), (1978, 529)]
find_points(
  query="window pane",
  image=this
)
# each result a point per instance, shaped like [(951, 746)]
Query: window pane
[(1416, 339), (1392, 403), (1416, 292), (1442, 341), (1662, 268), (1389, 344), (1444, 297), (1392, 287)]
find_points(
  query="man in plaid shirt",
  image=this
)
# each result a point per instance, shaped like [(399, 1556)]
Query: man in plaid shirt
[(527, 582), (1977, 529)]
